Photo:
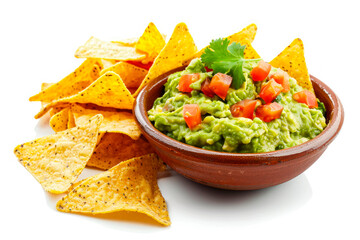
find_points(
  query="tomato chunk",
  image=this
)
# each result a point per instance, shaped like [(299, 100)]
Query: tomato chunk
[(146, 66), (270, 91), (261, 71), (205, 88), (192, 115), (220, 84), (186, 80), (244, 108), (269, 111), (282, 78), (306, 97)]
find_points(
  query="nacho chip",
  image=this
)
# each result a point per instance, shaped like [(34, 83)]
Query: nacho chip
[(128, 42), (151, 43), (78, 80), (129, 73), (57, 160), (129, 186), (107, 91), (59, 121), (115, 148), (114, 122), (95, 48), (249, 52), (292, 60), (71, 119), (178, 51)]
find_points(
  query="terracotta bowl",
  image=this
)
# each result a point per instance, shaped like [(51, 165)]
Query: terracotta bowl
[(232, 170)]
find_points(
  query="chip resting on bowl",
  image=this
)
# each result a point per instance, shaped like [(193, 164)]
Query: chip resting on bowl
[(129, 186), (57, 160)]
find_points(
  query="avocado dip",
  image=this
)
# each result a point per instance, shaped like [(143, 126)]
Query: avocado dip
[(264, 114)]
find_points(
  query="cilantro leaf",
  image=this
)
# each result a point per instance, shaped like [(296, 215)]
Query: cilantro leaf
[(225, 58), (321, 107)]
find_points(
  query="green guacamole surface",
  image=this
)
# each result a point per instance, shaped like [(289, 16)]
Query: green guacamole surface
[(219, 130)]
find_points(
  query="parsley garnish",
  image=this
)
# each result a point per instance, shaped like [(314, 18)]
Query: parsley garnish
[(321, 107), (225, 58)]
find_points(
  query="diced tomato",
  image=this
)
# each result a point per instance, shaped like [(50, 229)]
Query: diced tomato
[(306, 97), (269, 111), (146, 66), (205, 88), (282, 78), (244, 108), (220, 84), (192, 115), (270, 91), (261, 71), (186, 80), (208, 69)]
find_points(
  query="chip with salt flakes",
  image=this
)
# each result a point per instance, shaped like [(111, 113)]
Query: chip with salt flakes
[(107, 91), (128, 186), (59, 121), (114, 121), (96, 48), (131, 75), (57, 160), (114, 148), (76, 81), (292, 60), (178, 51), (151, 43)]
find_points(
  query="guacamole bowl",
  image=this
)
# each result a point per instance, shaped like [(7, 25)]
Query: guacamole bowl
[(237, 171)]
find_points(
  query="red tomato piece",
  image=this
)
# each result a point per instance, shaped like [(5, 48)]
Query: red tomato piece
[(244, 108), (192, 115), (220, 84), (208, 69), (205, 88), (269, 111), (186, 80), (282, 78), (270, 91), (146, 66), (261, 71), (306, 97)]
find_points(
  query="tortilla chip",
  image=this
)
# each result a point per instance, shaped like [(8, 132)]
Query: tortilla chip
[(59, 121), (178, 51), (107, 91), (57, 160), (151, 43), (78, 80), (115, 148), (249, 52), (131, 75), (129, 186), (95, 48), (114, 122), (128, 42), (71, 119), (292, 60)]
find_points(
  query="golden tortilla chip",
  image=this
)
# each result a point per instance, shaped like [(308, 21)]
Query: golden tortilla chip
[(178, 51), (249, 52), (114, 148), (131, 75), (129, 186), (96, 48), (114, 122), (71, 119), (129, 42), (59, 121), (107, 91), (57, 160), (78, 80), (151, 43), (292, 60)]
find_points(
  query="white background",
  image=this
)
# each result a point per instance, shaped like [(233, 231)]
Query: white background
[(37, 43)]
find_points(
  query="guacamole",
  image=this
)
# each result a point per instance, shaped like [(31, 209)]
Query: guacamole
[(218, 129)]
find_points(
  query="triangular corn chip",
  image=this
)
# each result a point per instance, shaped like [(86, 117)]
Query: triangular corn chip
[(151, 43), (178, 51), (114, 121), (131, 75), (129, 186), (82, 77), (107, 91), (96, 48), (128, 42), (292, 60), (249, 52), (59, 121), (56, 161), (114, 148)]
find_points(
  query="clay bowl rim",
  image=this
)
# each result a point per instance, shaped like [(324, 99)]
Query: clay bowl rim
[(335, 119)]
